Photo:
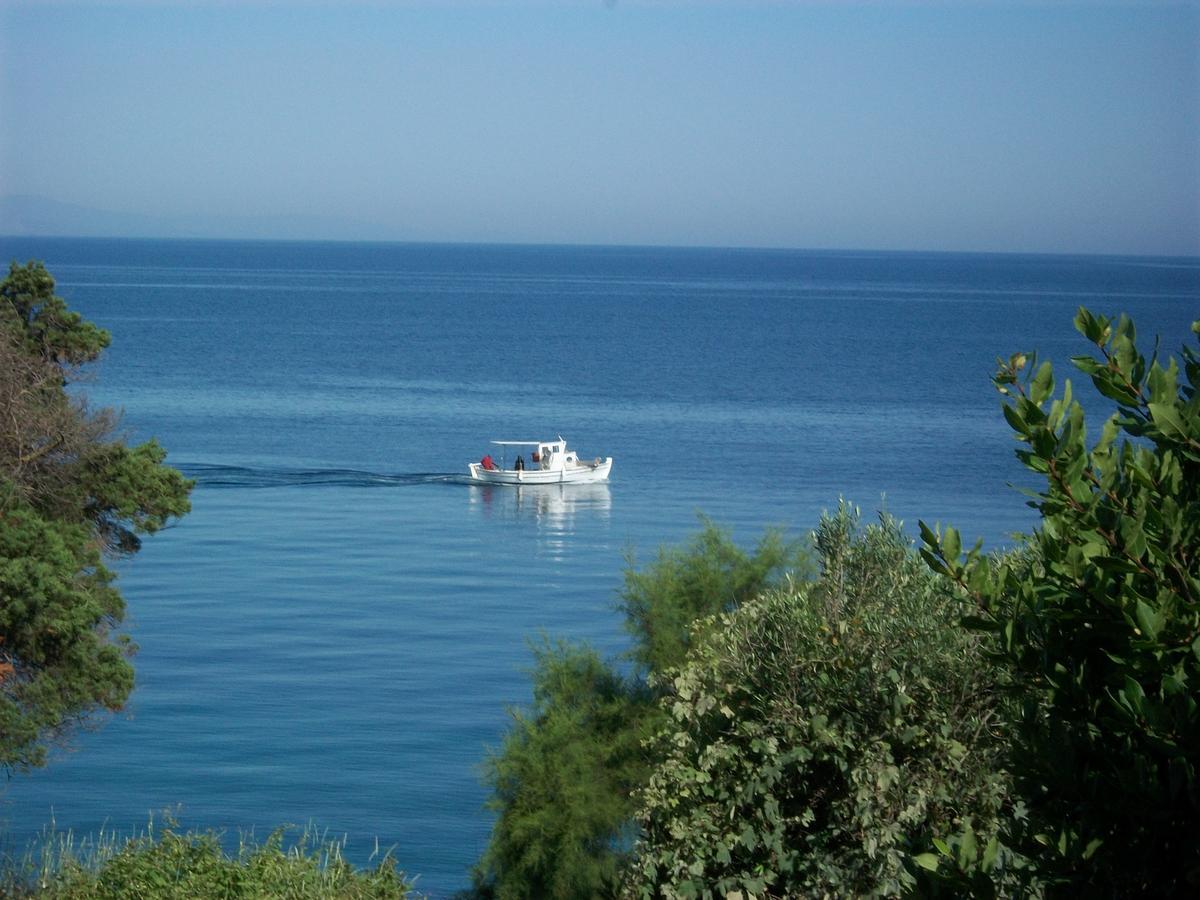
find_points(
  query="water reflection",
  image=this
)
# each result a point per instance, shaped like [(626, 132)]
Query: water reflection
[(553, 507)]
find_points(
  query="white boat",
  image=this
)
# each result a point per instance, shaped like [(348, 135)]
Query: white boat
[(550, 462)]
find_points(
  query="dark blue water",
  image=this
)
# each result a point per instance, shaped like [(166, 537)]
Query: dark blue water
[(335, 632)]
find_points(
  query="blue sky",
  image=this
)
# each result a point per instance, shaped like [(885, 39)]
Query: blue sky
[(1064, 127)]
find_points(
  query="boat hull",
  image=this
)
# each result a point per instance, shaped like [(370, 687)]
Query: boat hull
[(582, 474)]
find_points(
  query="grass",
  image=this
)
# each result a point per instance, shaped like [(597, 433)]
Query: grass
[(163, 862)]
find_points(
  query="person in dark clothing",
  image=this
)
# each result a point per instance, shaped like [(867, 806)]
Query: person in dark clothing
[(520, 463)]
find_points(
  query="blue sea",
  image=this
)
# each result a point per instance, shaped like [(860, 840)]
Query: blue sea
[(337, 632)]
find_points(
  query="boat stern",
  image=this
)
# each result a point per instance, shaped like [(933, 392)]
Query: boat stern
[(604, 468)]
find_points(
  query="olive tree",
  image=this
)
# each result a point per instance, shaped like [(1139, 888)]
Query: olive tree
[(821, 736)]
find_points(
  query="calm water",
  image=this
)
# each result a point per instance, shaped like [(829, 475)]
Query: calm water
[(335, 632)]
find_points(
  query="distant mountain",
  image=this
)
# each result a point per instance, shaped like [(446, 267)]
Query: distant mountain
[(26, 215)]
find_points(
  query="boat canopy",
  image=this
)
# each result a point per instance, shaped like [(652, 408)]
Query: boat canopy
[(520, 443)]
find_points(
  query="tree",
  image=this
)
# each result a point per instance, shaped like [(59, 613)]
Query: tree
[(563, 782), (683, 585), (71, 494), (819, 737), (38, 319), (1098, 623)]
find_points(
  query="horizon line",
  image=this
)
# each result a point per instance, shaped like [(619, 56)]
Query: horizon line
[(597, 246)]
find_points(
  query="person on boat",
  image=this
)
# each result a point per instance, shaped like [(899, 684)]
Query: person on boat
[(536, 457), (520, 464), (488, 463)]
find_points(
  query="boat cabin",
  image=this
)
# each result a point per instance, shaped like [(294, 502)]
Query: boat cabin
[(550, 456)]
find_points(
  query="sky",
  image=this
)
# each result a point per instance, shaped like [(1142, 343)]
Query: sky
[(1066, 127)]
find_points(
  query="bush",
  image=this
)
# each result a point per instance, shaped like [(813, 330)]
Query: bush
[(169, 865), (1099, 626), (682, 586), (563, 782), (822, 735)]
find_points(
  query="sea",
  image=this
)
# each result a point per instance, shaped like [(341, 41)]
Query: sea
[(339, 632)]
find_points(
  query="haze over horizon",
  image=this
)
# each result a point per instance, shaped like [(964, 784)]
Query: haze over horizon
[(983, 126)]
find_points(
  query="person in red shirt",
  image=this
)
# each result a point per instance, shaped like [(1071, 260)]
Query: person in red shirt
[(488, 463)]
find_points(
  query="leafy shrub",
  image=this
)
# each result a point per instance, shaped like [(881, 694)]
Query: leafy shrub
[(563, 781), (1099, 626), (664, 601), (822, 735)]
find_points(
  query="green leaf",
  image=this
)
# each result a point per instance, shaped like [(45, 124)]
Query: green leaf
[(967, 849), (1015, 419), (934, 563), (1149, 620), (1166, 417), (1087, 325), (1133, 695), (990, 853), (927, 534), (926, 861), (1042, 385), (749, 838), (951, 545)]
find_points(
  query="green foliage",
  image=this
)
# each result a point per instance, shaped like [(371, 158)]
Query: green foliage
[(1098, 624), (128, 491), (69, 492), (561, 781), (30, 309), (57, 605), (821, 736), (170, 865), (564, 779), (683, 585)]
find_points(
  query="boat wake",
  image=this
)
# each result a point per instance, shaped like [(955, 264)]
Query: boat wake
[(210, 476)]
